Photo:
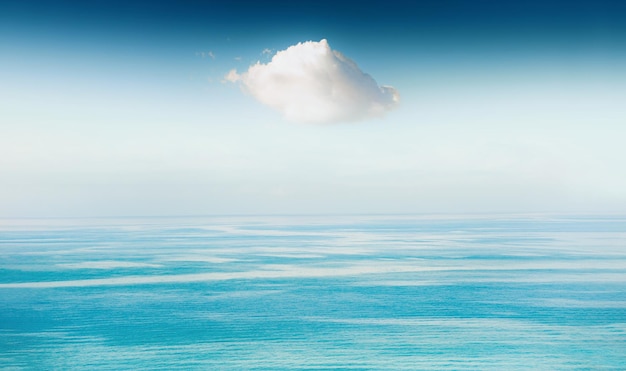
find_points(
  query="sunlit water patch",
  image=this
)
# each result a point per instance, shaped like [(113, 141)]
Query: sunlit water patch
[(314, 292)]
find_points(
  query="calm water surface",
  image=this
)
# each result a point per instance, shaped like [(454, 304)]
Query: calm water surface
[(271, 293)]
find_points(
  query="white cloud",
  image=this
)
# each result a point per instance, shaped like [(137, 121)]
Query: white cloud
[(209, 54), (232, 76), (310, 82)]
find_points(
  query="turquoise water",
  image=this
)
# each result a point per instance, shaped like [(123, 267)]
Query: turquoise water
[(405, 292)]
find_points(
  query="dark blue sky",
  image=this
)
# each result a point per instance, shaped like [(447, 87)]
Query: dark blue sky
[(568, 24), (434, 32)]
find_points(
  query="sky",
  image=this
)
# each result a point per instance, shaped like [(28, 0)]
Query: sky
[(149, 108)]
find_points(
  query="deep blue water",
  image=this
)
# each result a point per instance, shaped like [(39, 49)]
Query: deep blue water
[(405, 292)]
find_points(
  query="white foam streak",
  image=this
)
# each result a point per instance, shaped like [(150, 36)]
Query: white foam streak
[(107, 264), (545, 273), (274, 271)]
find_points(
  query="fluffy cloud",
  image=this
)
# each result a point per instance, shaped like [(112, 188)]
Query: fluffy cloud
[(310, 82)]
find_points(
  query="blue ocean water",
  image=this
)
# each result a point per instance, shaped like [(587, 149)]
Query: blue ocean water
[(272, 293)]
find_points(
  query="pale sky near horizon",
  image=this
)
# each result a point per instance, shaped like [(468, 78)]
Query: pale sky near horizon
[(123, 108)]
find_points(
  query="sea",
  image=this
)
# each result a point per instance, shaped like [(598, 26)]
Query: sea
[(404, 292)]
